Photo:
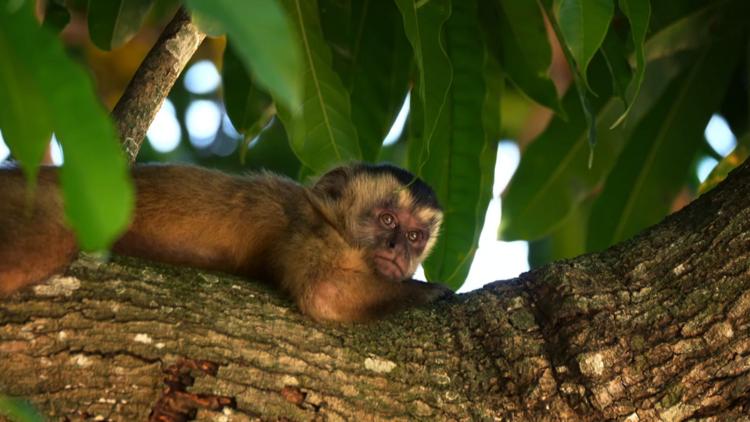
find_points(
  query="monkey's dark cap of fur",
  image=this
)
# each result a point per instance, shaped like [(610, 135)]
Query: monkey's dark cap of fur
[(421, 192)]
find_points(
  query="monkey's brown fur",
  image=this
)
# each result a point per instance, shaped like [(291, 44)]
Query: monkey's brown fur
[(327, 246)]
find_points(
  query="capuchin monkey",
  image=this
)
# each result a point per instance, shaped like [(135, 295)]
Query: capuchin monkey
[(343, 249)]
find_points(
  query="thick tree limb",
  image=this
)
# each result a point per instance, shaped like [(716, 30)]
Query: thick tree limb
[(153, 80), (656, 328)]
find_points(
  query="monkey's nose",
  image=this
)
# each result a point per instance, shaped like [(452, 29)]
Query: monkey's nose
[(391, 243)]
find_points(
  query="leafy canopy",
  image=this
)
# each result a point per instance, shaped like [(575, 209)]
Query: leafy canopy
[(315, 83)]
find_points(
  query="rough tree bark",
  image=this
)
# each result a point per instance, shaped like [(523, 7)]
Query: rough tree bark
[(152, 81), (655, 328)]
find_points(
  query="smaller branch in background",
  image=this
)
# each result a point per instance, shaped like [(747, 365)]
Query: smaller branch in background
[(153, 80)]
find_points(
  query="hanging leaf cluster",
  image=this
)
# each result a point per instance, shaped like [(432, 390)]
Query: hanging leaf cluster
[(321, 82)]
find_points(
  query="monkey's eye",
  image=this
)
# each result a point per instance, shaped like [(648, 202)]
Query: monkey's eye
[(388, 220), (414, 236)]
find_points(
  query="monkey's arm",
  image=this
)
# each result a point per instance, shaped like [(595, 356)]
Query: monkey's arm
[(331, 281), (361, 297)]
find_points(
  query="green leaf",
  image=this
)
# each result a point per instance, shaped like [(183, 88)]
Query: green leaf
[(517, 37), (738, 156), (321, 130), (19, 410), (690, 32), (249, 108), (265, 42), (56, 94), (342, 27), (494, 78), (553, 176), (373, 58), (667, 13), (460, 160), (210, 25), (56, 15), (653, 167), (614, 53), (112, 23), (584, 24), (23, 96), (638, 13), (744, 141), (423, 24), (553, 179), (271, 152), (246, 103), (581, 85), (567, 240)]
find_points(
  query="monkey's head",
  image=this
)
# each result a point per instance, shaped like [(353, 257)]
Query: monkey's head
[(385, 210)]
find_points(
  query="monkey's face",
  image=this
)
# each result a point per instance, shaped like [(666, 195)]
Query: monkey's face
[(399, 241), (393, 216)]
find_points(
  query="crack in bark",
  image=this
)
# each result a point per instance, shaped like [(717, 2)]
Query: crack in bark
[(541, 296), (176, 404), (298, 397), (108, 355)]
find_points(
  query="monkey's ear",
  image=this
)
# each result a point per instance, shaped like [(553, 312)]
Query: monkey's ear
[(333, 183)]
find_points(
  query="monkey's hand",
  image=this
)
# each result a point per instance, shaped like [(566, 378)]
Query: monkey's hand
[(432, 291), (364, 297)]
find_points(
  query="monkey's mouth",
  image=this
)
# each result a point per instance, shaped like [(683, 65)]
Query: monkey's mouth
[(389, 268)]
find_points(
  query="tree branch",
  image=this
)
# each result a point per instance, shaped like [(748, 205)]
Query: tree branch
[(655, 328), (153, 80)]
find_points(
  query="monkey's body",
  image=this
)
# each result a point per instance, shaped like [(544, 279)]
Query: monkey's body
[(210, 220), (34, 242), (262, 226)]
